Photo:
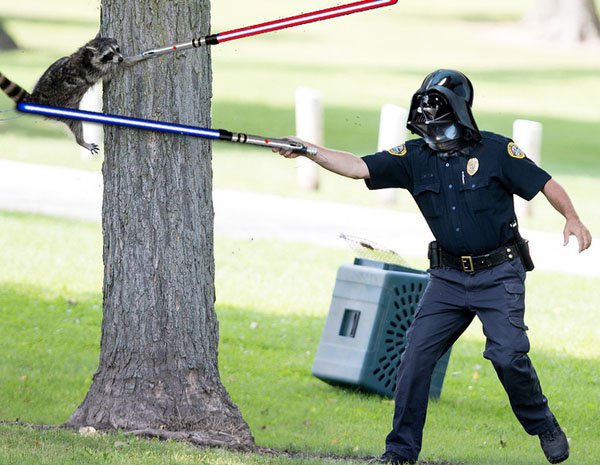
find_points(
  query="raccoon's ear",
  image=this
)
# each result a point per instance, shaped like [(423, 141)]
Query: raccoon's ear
[(98, 36), (90, 51)]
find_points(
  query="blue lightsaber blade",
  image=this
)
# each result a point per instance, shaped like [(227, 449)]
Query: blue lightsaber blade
[(161, 126)]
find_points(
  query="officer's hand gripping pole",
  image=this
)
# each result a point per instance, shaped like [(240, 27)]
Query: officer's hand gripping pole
[(267, 142), (161, 126), (262, 28)]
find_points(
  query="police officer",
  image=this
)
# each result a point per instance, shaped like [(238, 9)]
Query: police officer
[(463, 181)]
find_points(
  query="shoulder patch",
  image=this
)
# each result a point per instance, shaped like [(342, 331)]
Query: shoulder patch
[(514, 150), (399, 151)]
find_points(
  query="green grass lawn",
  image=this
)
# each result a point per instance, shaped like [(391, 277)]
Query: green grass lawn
[(271, 314), (272, 311)]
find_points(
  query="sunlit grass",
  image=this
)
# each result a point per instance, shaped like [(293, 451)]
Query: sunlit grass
[(272, 299)]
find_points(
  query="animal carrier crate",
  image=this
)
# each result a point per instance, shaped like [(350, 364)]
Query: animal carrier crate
[(372, 307)]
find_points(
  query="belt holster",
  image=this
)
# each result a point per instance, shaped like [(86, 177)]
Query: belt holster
[(434, 254), (522, 246)]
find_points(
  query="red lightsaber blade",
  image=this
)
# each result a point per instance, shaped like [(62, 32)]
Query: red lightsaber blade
[(263, 28)]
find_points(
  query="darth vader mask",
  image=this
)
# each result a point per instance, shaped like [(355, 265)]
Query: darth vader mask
[(436, 123), (440, 111)]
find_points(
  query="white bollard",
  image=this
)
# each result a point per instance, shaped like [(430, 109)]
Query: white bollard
[(92, 133), (309, 127), (392, 132), (528, 136)]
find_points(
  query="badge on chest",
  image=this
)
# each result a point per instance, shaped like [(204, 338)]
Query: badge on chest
[(472, 166)]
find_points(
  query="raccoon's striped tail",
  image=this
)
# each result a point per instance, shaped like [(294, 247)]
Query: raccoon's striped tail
[(13, 90)]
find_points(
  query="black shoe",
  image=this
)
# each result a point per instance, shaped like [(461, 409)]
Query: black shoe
[(554, 444), (391, 458)]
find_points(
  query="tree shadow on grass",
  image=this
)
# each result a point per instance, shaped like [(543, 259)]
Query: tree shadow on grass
[(57, 22), (50, 351), (30, 127)]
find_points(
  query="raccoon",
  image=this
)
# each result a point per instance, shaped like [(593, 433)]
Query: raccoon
[(65, 82)]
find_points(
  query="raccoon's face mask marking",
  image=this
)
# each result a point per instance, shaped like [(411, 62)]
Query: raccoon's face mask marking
[(112, 56), (105, 52)]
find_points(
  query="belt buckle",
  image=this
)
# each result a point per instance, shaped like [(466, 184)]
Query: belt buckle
[(467, 263)]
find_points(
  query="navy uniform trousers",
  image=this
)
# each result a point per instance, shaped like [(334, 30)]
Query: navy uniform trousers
[(450, 302)]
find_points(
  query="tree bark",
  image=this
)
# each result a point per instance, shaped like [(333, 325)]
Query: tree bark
[(158, 357), (566, 21)]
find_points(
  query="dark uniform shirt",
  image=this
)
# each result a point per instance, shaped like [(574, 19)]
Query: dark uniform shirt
[(466, 198)]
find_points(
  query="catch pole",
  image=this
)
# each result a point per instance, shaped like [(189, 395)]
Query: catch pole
[(161, 126), (263, 28)]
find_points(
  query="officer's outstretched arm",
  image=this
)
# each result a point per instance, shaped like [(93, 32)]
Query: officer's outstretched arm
[(336, 161), (560, 200)]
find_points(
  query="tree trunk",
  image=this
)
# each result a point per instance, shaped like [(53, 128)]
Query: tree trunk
[(158, 369), (566, 21), (6, 42)]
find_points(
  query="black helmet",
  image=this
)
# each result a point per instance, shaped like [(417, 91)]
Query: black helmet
[(440, 111)]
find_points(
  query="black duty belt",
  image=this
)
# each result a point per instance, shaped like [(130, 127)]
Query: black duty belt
[(471, 263)]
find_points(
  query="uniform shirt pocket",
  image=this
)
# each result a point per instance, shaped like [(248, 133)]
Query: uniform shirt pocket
[(427, 196), (476, 192)]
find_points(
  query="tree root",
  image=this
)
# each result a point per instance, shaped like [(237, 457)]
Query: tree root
[(198, 438), (208, 439)]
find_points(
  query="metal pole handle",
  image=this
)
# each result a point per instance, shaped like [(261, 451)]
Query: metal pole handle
[(194, 43), (287, 144), (304, 150)]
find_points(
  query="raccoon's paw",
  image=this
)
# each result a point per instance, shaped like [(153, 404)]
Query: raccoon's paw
[(94, 149)]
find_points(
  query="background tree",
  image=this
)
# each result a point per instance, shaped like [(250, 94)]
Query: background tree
[(158, 372), (564, 20), (6, 42)]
